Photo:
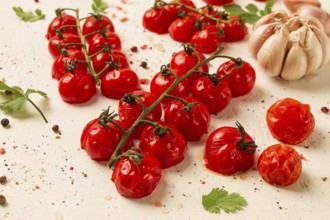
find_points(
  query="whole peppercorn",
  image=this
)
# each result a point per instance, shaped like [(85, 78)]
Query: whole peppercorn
[(2, 199), (5, 122)]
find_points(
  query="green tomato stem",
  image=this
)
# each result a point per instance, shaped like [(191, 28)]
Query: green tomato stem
[(38, 109)]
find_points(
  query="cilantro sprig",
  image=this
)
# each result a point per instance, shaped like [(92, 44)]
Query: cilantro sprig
[(219, 199), (29, 16), (16, 97), (99, 6), (250, 13)]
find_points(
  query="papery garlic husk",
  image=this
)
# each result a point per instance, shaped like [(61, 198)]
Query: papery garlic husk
[(294, 5), (279, 16), (272, 53), (313, 51)]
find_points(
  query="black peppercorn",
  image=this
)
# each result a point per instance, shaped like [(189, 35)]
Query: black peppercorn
[(5, 122)]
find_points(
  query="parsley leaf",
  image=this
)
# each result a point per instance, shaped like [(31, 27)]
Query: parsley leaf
[(16, 97), (29, 16), (219, 199), (250, 13), (99, 6)]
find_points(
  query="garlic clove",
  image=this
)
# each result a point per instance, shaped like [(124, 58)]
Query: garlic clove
[(259, 36), (293, 23), (279, 16), (294, 5), (272, 53), (325, 44), (314, 51)]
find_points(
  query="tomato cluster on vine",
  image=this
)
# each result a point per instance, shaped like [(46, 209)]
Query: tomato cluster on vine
[(87, 54)]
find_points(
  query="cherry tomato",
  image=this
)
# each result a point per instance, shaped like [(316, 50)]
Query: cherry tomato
[(168, 147), (184, 60), (100, 141), (211, 11), (235, 30), (241, 78), (218, 2), (280, 165), (96, 23), (99, 41), (116, 83), (215, 95), (56, 44), (76, 87), (192, 120), (114, 59), (182, 29), (72, 59), (208, 39), (59, 21), (229, 150), (290, 121), (161, 81), (156, 20), (176, 11), (137, 180)]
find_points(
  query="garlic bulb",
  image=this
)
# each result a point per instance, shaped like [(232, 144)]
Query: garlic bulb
[(293, 5), (289, 47)]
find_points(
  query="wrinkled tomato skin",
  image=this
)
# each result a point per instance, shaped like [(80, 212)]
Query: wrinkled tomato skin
[(222, 154), (215, 97), (193, 124), (97, 23), (58, 22), (241, 78), (100, 142), (101, 60), (137, 181), (61, 62), (290, 121), (156, 20), (235, 30), (56, 44), (77, 87), (169, 150), (280, 165), (116, 83), (218, 2), (98, 41), (182, 29)]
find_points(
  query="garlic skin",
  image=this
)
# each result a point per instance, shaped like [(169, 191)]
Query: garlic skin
[(289, 47), (294, 5)]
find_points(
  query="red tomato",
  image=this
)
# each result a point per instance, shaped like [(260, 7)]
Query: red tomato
[(114, 59), (216, 96), (116, 83), (218, 2), (100, 142), (192, 120), (156, 20), (242, 76), (182, 29), (96, 23), (235, 30), (63, 61), (56, 44), (168, 147), (59, 21), (211, 11), (176, 11), (77, 87), (184, 60), (280, 165), (98, 41), (290, 121), (229, 150), (160, 83), (208, 39), (137, 180)]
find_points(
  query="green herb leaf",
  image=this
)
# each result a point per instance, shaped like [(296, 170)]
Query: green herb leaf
[(29, 16), (250, 13), (99, 6), (219, 199), (16, 97)]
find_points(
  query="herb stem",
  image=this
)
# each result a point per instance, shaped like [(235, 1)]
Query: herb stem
[(38, 109)]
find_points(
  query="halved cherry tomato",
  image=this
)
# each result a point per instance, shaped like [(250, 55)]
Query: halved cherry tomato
[(97, 23), (99, 41), (290, 121), (182, 29), (280, 165), (56, 44), (60, 21)]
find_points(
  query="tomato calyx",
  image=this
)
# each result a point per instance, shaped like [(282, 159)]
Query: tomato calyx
[(215, 79), (250, 146), (106, 116)]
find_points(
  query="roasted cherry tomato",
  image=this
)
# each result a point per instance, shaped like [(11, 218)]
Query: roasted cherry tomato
[(62, 20), (234, 30), (156, 20), (76, 87), (208, 39), (115, 83), (241, 76), (192, 119), (56, 44), (112, 60), (182, 29), (72, 59), (137, 180), (184, 60), (290, 121), (97, 23), (218, 2), (99, 41), (280, 165), (215, 93), (229, 150), (165, 142)]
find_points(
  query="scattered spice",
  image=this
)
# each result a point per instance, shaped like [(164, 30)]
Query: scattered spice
[(144, 47), (134, 49), (2, 150), (3, 179), (4, 122), (144, 81), (158, 203), (55, 128), (124, 19), (325, 110), (324, 178), (2, 200), (144, 64)]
